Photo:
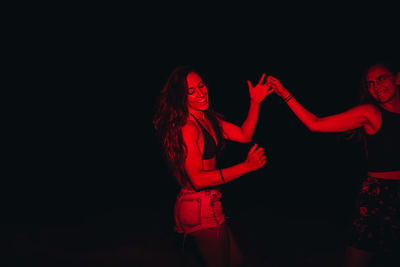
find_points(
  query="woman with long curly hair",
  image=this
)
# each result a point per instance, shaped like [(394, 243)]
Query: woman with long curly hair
[(192, 134), (376, 227)]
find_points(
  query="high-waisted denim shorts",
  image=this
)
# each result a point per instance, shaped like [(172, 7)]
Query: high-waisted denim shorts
[(198, 210)]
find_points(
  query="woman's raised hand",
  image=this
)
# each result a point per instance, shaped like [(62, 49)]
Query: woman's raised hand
[(260, 91), (278, 87), (255, 158)]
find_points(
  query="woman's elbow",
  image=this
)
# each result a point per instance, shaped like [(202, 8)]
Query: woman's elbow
[(196, 186), (312, 128), (196, 182), (314, 125), (247, 139)]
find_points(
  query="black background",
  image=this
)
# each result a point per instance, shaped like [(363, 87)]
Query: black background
[(84, 151)]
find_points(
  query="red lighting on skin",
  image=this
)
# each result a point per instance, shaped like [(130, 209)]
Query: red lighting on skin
[(192, 135)]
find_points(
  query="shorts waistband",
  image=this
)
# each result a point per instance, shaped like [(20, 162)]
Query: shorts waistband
[(206, 192)]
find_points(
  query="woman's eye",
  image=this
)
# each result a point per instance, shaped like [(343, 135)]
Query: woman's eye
[(190, 91)]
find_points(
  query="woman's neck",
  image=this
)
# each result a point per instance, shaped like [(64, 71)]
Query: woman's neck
[(197, 113), (393, 105)]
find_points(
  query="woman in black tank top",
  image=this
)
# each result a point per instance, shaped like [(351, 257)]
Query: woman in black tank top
[(376, 227)]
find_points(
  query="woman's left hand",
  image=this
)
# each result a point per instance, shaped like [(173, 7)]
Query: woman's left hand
[(260, 91)]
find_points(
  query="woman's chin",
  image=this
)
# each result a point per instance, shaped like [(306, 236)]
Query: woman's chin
[(201, 107)]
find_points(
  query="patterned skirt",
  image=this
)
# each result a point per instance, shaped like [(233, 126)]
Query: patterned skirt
[(376, 226)]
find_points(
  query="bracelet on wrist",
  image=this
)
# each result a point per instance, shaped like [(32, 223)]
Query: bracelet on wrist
[(222, 177), (290, 96)]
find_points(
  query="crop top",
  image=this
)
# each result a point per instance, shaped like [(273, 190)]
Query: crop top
[(210, 147), (383, 147)]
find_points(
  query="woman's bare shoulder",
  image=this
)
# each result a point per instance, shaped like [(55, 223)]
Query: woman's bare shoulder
[(370, 110), (190, 129)]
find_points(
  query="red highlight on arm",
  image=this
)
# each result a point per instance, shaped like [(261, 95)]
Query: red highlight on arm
[(194, 164), (360, 116)]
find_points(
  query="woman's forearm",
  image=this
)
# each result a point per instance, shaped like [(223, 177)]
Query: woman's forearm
[(250, 123), (305, 116), (205, 179), (353, 118)]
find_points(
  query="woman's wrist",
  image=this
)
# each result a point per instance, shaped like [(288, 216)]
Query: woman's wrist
[(245, 166), (286, 99), (254, 102), (285, 94)]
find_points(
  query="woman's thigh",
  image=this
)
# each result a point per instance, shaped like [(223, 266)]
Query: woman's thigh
[(235, 255), (213, 244), (218, 247)]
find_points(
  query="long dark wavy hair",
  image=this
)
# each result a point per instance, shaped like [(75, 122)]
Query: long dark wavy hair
[(171, 115)]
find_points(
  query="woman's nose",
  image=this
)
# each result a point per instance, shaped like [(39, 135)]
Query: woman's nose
[(200, 92)]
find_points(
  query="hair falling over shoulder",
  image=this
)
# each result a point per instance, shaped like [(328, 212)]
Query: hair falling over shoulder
[(171, 115)]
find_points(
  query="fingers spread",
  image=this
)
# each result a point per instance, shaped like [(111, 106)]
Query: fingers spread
[(249, 83), (260, 150), (253, 148), (269, 90), (259, 153), (262, 78)]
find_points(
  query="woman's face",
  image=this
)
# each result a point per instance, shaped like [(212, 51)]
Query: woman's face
[(381, 83), (197, 92)]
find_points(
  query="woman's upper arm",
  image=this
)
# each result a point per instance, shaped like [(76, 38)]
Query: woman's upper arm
[(232, 132), (193, 161), (351, 119)]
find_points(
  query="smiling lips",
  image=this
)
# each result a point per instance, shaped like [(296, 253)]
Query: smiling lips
[(380, 92), (202, 101)]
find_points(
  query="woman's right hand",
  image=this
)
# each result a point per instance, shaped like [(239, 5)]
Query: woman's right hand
[(255, 158), (278, 87)]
